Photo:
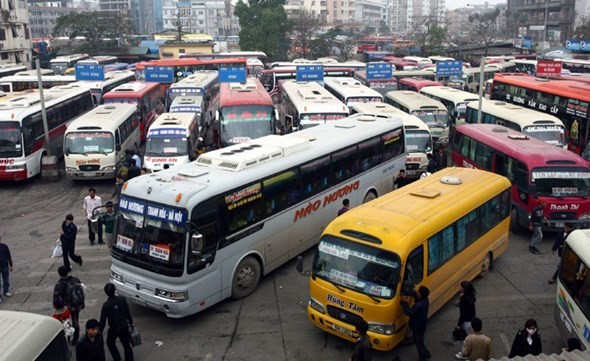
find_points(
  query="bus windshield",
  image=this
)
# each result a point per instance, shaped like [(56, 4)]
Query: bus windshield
[(365, 269), (150, 236), (121, 101), (167, 147), (561, 181), (321, 117), (10, 140), (353, 100), (89, 142), (59, 68), (460, 111), (240, 123), (552, 134), (432, 118), (418, 141)]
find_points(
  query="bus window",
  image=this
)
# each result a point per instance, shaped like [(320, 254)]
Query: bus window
[(202, 249), (415, 266), (344, 164), (277, 190), (316, 175)]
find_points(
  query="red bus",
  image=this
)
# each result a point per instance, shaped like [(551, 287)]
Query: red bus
[(270, 77), (415, 83), (566, 99), (146, 96), (538, 172), (245, 112), (401, 63)]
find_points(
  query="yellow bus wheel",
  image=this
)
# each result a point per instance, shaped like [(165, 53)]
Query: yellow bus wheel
[(486, 265)]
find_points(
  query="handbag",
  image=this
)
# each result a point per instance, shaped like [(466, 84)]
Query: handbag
[(134, 336), (459, 334), (57, 250)]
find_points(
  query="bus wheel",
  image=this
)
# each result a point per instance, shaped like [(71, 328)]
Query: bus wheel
[(486, 265), (369, 197), (514, 224), (246, 278)]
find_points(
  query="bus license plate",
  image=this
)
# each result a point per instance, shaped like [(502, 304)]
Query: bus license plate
[(341, 330), (559, 224)]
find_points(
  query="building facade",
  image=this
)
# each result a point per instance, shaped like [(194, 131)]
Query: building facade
[(560, 19), (403, 15), (43, 17), (15, 34), (213, 17)]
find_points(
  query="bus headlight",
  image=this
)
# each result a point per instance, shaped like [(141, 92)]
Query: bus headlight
[(316, 305), (16, 167), (177, 296), (584, 216), (116, 277), (108, 168), (382, 328), (71, 169)]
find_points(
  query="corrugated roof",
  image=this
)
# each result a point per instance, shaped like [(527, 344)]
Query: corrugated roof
[(564, 356)]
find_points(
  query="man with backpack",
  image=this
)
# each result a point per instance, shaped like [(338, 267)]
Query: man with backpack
[(69, 290), (116, 311)]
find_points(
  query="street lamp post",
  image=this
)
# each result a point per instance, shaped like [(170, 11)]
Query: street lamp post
[(545, 28)]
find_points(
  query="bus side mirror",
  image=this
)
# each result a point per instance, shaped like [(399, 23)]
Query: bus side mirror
[(217, 116), (67, 151), (197, 244)]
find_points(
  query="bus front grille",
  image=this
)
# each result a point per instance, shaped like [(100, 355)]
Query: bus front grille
[(90, 167), (344, 316), (562, 216)]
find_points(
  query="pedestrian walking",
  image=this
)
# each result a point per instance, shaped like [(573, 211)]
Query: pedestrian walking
[(536, 225), (466, 309), (418, 314), (91, 202), (558, 247), (116, 311), (69, 231), (133, 171), (401, 179), (345, 207), (362, 348), (90, 347), (477, 345), (440, 158), (108, 219), (527, 341), (118, 187), (69, 291), (431, 167), (6, 268), (136, 157)]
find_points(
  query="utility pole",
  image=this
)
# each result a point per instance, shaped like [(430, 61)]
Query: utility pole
[(43, 110), (545, 27)]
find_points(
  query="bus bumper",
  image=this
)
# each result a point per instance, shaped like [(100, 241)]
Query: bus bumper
[(348, 332), (10, 175), (144, 295), (99, 174)]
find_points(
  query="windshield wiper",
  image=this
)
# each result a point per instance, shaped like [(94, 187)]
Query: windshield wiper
[(377, 301)]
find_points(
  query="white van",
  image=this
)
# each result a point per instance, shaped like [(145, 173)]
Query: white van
[(31, 337), (94, 142), (171, 140)]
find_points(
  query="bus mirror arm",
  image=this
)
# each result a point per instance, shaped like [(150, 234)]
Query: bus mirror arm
[(67, 151), (118, 147), (197, 244), (299, 267)]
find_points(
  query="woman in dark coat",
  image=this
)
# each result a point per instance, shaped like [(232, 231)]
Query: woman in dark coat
[(466, 306), (527, 341)]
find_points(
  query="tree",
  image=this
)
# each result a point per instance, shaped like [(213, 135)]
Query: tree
[(582, 31), (95, 27), (484, 26), (304, 27), (264, 26), (514, 20), (428, 35)]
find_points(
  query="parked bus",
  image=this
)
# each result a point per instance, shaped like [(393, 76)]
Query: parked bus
[(100, 60), (350, 91), (525, 66), (245, 112), (22, 138), (325, 62), (469, 80), (31, 73), (145, 96), (402, 64), (543, 126), (184, 67), (256, 55), (424, 74), (193, 105), (172, 140), (575, 65), (19, 83), (111, 80), (415, 84), (116, 66), (306, 104), (95, 141), (448, 227), (11, 69), (204, 83), (418, 60), (572, 309), (538, 172), (29, 336), (418, 136), (381, 85), (504, 67), (566, 99), (60, 64), (430, 111), (270, 77), (454, 99), (377, 55), (213, 227)]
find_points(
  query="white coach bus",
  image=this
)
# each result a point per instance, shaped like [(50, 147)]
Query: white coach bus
[(193, 235), (350, 91)]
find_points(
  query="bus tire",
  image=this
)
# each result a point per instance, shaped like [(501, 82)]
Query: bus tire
[(40, 174), (514, 223), (246, 278), (369, 196), (486, 265)]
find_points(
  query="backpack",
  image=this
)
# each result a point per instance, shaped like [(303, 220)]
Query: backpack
[(75, 294)]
